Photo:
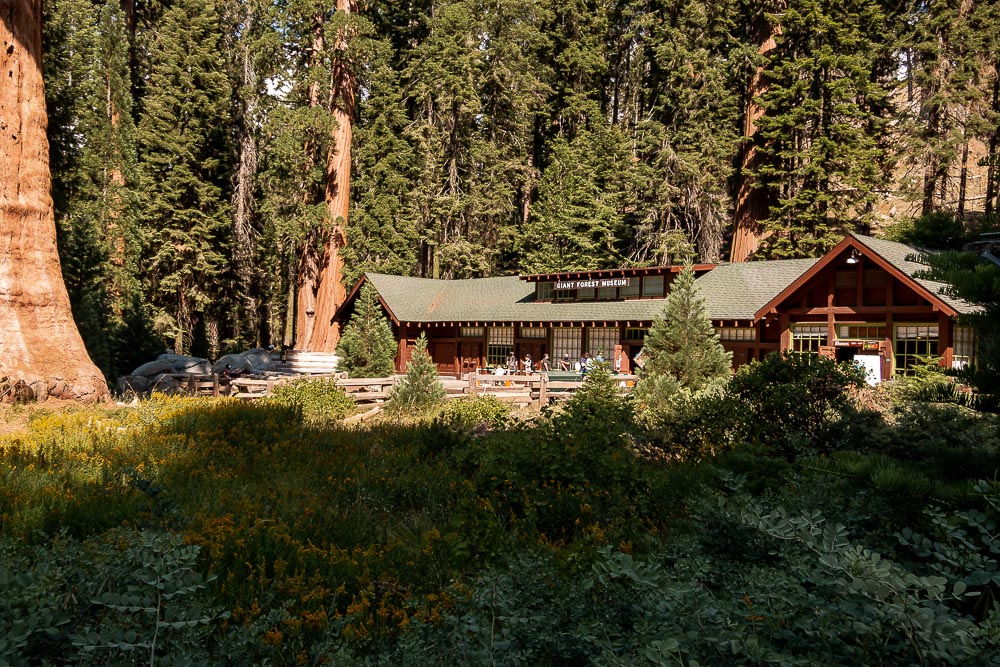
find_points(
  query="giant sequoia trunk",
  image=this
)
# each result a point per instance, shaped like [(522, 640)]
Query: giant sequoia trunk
[(752, 199), (40, 347), (320, 288)]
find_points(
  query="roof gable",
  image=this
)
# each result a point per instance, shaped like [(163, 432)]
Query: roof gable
[(890, 256)]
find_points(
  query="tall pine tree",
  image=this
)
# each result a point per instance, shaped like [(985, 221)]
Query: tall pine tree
[(824, 123), (185, 172)]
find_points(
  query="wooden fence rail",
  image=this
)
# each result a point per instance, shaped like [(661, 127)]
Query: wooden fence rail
[(536, 388)]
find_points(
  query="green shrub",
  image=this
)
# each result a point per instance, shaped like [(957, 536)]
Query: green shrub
[(120, 597), (318, 400), (478, 413), (696, 425), (796, 403), (929, 383)]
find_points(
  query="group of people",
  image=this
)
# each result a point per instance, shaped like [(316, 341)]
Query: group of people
[(583, 366), (513, 365)]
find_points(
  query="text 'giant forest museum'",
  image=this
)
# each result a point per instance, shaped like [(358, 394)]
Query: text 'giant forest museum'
[(860, 301)]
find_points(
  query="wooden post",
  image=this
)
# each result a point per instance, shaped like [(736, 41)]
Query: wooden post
[(215, 385), (270, 386), (472, 383), (542, 398), (192, 385)]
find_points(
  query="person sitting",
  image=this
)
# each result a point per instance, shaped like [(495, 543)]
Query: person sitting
[(544, 364), (564, 363)]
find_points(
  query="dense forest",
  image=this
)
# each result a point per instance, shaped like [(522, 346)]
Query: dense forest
[(218, 164)]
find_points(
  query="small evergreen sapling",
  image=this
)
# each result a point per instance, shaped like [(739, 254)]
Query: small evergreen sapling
[(420, 390), (367, 348), (682, 349)]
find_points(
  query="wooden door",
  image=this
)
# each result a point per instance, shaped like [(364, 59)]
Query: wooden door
[(471, 356), (444, 355)]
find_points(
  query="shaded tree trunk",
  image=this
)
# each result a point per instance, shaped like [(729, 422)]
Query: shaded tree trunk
[(40, 346), (752, 201), (322, 292)]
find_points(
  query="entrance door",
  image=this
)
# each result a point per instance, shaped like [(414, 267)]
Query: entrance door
[(444, 354), (472, 353)]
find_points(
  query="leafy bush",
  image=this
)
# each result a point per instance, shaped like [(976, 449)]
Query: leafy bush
[(122, 596), (930, 383), (796, 403), (318, 400), (478, 412), (940, 230), (695, 425)]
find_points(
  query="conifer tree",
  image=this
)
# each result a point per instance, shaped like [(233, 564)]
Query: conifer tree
[(579, 219), (824, 123), (420, 390), (186, 170), (686, 126), (367, 347), (94, 177), (382, 236), (41, 350), (946, 45), (977, 281), (682, 350)]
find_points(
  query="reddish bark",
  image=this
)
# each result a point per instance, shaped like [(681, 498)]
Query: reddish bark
[(40, 347), (320, 288), (752, 201)]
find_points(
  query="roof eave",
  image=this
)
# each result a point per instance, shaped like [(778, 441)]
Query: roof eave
[(851, 241)]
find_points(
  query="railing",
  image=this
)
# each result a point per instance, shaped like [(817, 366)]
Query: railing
[(536, 388)]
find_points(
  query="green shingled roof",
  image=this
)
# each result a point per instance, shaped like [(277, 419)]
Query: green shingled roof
[(731, 292), (737, 291)]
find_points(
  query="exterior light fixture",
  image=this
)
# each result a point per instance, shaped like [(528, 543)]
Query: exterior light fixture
[(310, 312), (853, 259)]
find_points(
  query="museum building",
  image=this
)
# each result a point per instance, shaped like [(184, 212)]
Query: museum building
[(861, 301)]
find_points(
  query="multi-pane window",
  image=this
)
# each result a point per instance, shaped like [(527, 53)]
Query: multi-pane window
[(586, 293), (740, 334), (565, 294), (607, 292), (499, 345), (808, 338), (545, 291), (635, 333), (914, 342), (652, 286), (632, 289), (861, 331), (534, 332), (602, 340), (471, 332), (566, 341), (964, 349)]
